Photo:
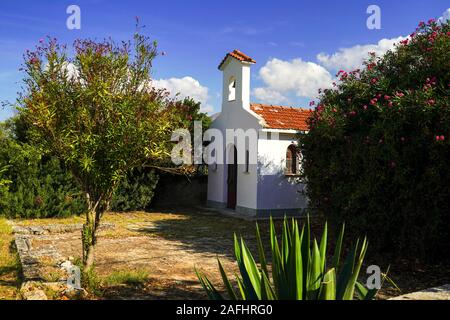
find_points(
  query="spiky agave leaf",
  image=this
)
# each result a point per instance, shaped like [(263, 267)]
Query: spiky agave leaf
[(227, 282), (328, 286), (298, 268)]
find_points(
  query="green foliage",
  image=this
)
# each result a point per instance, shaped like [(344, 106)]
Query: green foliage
[(299, 269), (376, 155), (38, 186), (99, 113), (191, 112), (35, 185), (90, 280), (135, 191)]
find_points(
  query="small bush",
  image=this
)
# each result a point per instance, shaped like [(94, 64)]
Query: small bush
[(38, 187), (135, 191)]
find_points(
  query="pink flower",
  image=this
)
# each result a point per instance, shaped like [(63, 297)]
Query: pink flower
[(390, 104), (442, 138), (365, 107)]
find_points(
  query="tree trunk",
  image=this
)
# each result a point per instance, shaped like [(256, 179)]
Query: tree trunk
[(89, 238), (96, 208), (89, 258)]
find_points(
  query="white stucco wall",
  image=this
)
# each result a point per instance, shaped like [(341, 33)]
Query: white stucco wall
[(275, 189)]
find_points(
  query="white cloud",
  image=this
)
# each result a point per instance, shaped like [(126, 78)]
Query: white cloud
[(186, 87), (268, 95), (302, 78), (352, 58), (445, 16)]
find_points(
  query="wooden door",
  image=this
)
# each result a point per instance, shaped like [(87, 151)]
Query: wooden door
[(232, 182)]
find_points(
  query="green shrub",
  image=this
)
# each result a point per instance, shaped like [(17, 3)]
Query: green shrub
[(377, 152), (39, 187), (36, 186), (299, 269), (135, 191)]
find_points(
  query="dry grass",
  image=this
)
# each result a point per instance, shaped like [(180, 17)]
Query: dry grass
[(9, 263)]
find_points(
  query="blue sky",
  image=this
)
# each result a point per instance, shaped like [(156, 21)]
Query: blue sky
[(298, 45)]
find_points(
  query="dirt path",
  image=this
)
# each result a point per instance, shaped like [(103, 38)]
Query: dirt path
[(166, 249)]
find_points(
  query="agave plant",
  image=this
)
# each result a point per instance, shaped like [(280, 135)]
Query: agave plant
[(298, 269)]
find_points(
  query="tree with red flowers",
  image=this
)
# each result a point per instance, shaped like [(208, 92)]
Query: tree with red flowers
[(378, 148)]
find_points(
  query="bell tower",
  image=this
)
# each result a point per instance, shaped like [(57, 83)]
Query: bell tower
[(235, 68)]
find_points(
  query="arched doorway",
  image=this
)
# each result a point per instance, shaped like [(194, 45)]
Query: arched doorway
[(232, 179)]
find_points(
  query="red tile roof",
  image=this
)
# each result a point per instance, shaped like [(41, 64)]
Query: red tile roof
[(279, 117), (237, 55)]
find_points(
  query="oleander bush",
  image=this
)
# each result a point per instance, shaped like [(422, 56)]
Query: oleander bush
[(299, 269), (377, 152)]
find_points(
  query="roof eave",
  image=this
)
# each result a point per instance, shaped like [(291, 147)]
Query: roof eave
[(294, 131)]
